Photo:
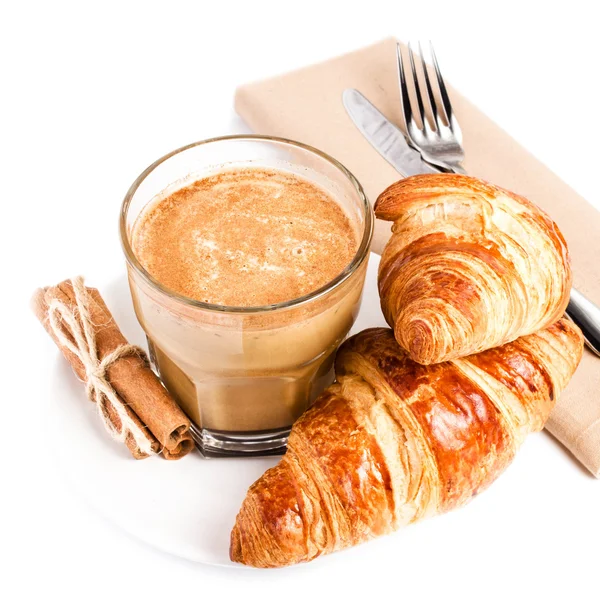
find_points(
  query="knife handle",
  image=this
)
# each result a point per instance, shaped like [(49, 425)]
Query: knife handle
[(586, 315)]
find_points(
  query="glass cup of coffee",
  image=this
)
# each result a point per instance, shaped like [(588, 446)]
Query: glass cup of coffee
[(246, 257)]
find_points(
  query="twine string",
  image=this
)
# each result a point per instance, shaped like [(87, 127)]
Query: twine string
[(83, 345)]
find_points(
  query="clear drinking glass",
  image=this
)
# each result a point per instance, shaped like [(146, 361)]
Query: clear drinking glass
[(243, 375)]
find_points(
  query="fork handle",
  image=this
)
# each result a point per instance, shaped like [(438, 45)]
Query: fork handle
[(581, 310), (456, 168)]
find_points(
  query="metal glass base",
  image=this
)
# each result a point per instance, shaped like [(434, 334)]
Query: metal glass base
[(214, 444)]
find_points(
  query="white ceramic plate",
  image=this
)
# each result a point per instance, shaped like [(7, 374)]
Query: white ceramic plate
[(186, 507)]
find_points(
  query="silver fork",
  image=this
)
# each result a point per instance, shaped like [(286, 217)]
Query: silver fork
[(440, 144)]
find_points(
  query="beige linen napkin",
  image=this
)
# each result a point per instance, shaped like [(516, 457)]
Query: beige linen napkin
[(306, 105)]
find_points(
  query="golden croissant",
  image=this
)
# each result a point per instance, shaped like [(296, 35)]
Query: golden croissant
[(469, 266), (393, 441)]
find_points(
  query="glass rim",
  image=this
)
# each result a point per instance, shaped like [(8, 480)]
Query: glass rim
[(361, 253)]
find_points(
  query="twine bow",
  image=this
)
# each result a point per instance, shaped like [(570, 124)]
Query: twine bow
[(83, 345)]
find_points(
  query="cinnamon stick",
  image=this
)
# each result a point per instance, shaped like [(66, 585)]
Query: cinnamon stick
[(142, 396)]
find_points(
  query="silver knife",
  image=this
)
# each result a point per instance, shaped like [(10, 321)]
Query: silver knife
[(384, 136)]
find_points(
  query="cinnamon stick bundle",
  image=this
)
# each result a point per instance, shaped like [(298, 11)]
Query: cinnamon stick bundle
[(135, 406)]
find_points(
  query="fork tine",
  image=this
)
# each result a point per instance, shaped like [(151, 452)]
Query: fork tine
[(437, 137), (447, 105), (404, 96), (432, 103), (417, 87)]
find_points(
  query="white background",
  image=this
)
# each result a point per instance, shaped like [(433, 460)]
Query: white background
[(94, 92)]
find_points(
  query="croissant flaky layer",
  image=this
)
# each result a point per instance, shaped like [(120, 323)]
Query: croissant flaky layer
[(469, 266), (393, 441)]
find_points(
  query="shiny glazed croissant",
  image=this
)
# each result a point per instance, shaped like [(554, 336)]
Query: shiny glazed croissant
[(469, 266), (394, 441)]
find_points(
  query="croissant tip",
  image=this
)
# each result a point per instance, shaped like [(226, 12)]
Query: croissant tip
[(388, 203), (235, 545)]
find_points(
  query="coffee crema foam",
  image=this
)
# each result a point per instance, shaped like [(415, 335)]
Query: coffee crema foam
[(245, 237)]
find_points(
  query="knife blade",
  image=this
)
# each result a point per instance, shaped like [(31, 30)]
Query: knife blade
[(383, 135)]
